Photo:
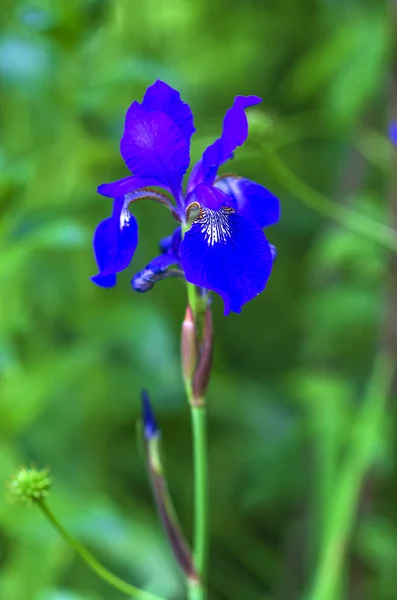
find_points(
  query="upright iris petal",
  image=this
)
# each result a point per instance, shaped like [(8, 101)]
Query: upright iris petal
[(156, 140), (225, 252), (153, 146), (115, 241), (253, 201), (234, 134), (161, 96)]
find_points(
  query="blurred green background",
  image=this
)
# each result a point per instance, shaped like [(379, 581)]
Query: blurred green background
[(289, 371)]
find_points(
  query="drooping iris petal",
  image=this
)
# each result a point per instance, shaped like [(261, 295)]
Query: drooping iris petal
[(160, 96), (227, 253), (234, 133), (127, 185), (156, 270), (253, 200), (115, 241), (154, 147)]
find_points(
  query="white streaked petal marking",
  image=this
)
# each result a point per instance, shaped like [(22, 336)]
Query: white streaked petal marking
[(215, 225)]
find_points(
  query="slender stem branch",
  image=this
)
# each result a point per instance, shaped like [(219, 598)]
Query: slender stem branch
[(362, 453), (93, 563), (360, 223)]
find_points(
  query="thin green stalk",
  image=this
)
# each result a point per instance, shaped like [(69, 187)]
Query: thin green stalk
[(192, 297), (93, 563), (324, 206), (362, 452), (200, 546)]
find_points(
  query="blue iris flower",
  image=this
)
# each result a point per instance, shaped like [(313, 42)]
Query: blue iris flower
[(223, 248)]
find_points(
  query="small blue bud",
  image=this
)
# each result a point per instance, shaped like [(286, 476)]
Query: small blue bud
[(149, 422), (393, 132)]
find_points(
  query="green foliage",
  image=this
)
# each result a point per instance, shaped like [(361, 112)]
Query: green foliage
[(289, 372)]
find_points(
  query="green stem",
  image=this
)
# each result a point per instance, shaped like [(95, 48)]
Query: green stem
[(362, 453), (93, 563), (327, 208), (192, 297), (199, 429)]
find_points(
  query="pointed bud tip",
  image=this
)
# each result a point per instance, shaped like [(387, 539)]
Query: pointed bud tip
[(189, 319), (149, 421)]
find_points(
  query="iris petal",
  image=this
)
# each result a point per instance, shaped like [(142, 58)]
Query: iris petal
[(115, 241), (127, 185), (155, 271), (228, 254), (253, 200), (234, 134), (160, 96), (171, 243), (154, 147)]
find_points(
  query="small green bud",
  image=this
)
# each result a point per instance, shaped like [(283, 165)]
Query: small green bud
[(30, 485), (261, 124)]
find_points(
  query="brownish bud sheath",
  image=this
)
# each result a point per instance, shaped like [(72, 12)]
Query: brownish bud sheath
[(188, 347), (166, 511), (203, 371)]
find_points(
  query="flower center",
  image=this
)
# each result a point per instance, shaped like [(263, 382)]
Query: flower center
[(215, 225)]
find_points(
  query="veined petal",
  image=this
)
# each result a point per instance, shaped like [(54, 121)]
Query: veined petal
[(227, 253), (253, 200), (115, 241), (160, 96), (154, 147), (234, 134), (127, 185)]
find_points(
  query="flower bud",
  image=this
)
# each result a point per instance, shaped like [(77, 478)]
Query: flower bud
[(188, 347), (149, 421), (30, 485), (202, 374), (162, 498)]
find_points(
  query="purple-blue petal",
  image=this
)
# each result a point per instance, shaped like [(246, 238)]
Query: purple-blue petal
[(156, 270), (150, 428), (253, 200), (234, 134), (160, 96), (115, 241), (210, 197), (106, 281), (154, 147), (171, 243), (229, 254), (127, 185)]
